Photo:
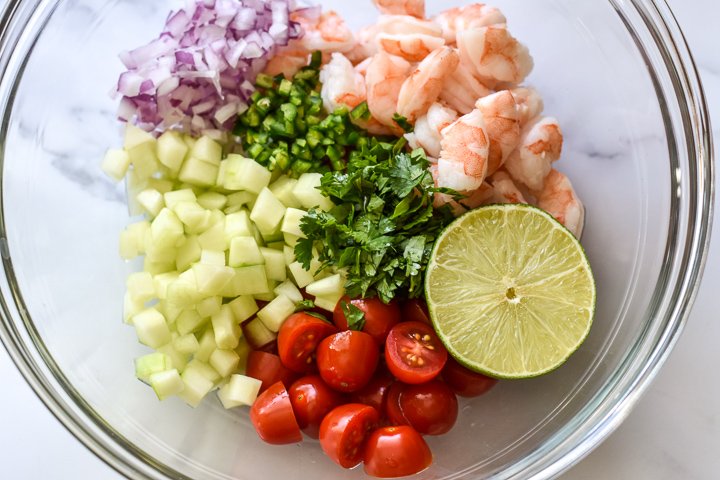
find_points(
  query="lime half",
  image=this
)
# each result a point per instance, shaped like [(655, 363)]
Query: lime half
[(510, 291)]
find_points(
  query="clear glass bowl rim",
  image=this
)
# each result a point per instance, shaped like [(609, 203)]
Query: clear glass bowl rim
[(674, 294)]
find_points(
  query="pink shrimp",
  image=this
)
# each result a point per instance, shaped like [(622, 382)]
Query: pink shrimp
[(461, 89), (475, 15), (463, 160), (327, 33), (416, 8), (384, 79), (412, 47), (405, 24), (423, 86), (471, 200), (287, 62), (502, 124), (428, 128), (540, 145), (559, 199), (529, 103), (342, 85), (496, 55), (504, 189)]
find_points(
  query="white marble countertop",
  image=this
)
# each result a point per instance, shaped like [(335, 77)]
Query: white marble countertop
[(673, 432)]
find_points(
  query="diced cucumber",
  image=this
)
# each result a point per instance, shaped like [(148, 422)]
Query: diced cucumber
[(161, 282), (212, 200), (211, 279), (115, 164), (268, 296), (238, 224), (244, 252), (131, 307), (171, 151), (135, 136), (151, 328), (268, 212), (183, 293), (213, 257), (132, 239), (243, 307), (245, 174), (214, 237), (151, 363), (274, 264), (179, 360), (196, 386), (290, 239), (204, 369), (289, 289), (207, 345), (282, 188), (151, 200), (157, 253), (197, 172), (270, 237), (189, 253), (144, 160), (274, 314), (194, 217), (162, 185), (227, 329), (332, 286), (141, 287), (327, 303), (307, 193), (279, 246), (167, 383), (250, 280), (189, 321), (240, 199), (169, 311), (186, 344), (207, 150), (209, 306), (243, 350), (156, 268), (257, 334), (289, 253), (225, 362), (303, 277), (177, 196), (167, 229), (291, 222), (240, 390)]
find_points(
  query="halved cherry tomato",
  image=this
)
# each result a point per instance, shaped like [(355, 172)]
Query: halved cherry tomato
[(268, 368), (396, 452), (415, 310), (379, 317), (374, 393), (312, 399), (465, 382), (347, 360), (414, 353), (273, 418), (343, 432), (431, 408), (298, 339), (393, 411)]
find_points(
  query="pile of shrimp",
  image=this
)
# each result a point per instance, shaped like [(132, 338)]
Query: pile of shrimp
[(457, 78)]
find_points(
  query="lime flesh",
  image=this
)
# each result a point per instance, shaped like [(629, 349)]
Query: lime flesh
[(510, 291)]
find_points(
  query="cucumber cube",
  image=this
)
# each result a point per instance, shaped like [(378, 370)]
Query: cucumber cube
[(177, 196), (225, 362), (135, 136), (166, 383), (144, 160), (240, 390), (332, 286), (151, 328), (196, 386), (115, 164), (303, 277), (212, 200), (274, 264), (161, 282), (132, 239), (166, 228), (289, 254), (171, 151), (282, 188), (227, 329), (197, 172), (204, 369), (268, 212), (170, 312), (151, 200), (290, 239), (243, 252), (162, 185), (257, 334), (195, 218), (207, 150), (178, 360), (188, 253), (209, 306), (141, 287), (189, 321), (240, 199), (183, 293), (243, 350), (243, 307), (250, 280), (289, 289), (307, 192), (131, 307), (274, 314), (214, 237), (186, 344), (245, 174), (151, 363), (207, 345), (156, 268), (327, 303), (291, 222), (213, 257), (238, 224), (211, 279), (268, 296)]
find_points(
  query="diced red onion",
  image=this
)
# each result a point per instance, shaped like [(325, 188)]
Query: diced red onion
[(199, 73)]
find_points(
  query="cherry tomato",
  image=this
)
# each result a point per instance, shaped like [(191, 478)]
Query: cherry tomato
[(374, 393), (415, 310), (298, 339), (414, 353), (431, 408), (396, 452), (379, 317), (347, 360), (273, 418), (343, 432), (392, 404), (312, 399), (464, 382), (268, 368)]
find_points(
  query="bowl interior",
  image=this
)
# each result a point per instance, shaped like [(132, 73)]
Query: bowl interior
[(63, 218)]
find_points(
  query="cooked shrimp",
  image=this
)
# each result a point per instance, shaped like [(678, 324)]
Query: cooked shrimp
[(540, 145), (559, 199), (342, 85), (365, 44), (428, 128), (459, 19), (416, 8), (529, 103), (423, 86), (405, 24), (287, 62), (328, 33), (463, 158), (471, 200), (412, 47), (504, 189), (383, 81), (496, 55), (502, 125), (461, 89)]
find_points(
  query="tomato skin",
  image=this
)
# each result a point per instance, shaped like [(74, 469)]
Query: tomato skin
[(311, 400), (392, 452), (379, 317), (347, 360), (415, 310), (375, 392), (430, 408), (344, 430), (273, 418), (298, 339), (465, 382), (393, 411), (413, 352), (268, 368)]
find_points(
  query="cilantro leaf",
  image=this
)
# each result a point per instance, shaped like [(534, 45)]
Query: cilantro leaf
[(354, 316)]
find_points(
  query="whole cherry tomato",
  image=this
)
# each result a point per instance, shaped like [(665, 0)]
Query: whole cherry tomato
[(374, 393), (431, 408), (298, 339), (393, 411), (396, 452), (273, 418), (268, 368), (379, 317), (414, 353), (464, 382), (347, 360), (343, 432), (415, 310), (312, 399)]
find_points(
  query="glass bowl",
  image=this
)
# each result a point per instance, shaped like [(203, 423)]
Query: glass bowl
[(617, 74)]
